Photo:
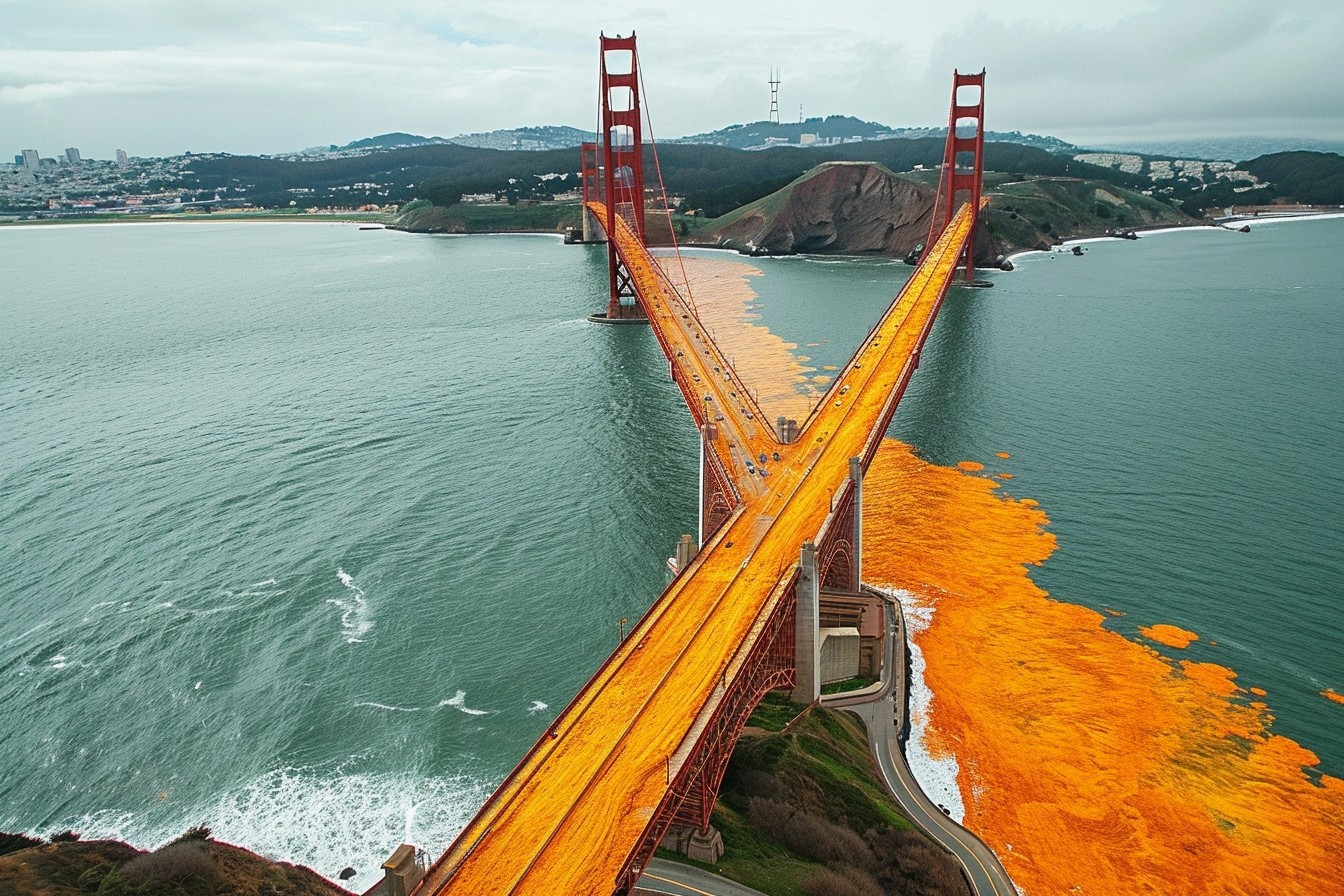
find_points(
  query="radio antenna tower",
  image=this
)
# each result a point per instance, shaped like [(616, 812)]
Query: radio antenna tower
[(774, 95), (800, 113)]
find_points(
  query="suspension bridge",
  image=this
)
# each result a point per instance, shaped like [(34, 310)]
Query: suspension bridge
[(642, 749)]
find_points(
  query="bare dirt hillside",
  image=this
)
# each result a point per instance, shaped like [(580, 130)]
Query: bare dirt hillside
[(189, 866), (847, 207)]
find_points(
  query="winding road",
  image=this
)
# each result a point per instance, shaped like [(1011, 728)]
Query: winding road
[(883, 712)]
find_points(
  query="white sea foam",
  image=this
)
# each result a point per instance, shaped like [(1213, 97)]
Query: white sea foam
[(373, 705), (319, 817), (1229, 224), (354, 609), (459, 702), (937, 777), (537, 706), (23, 636), (264, 588), (1282, 219)]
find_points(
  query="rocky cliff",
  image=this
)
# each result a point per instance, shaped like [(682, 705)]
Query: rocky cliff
[(849, 207), (859, 208)]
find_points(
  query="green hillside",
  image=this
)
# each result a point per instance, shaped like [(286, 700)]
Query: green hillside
[(1315, 178), (1036, 213), (802, 812), (713, 178)]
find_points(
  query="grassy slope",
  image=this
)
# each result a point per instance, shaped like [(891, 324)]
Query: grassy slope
[(549, 217), (767, 206), (1313, 177), (818, 771), (1032, 214)]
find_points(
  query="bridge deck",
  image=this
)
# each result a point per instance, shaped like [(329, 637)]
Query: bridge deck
[(569, 815), (712, 391)]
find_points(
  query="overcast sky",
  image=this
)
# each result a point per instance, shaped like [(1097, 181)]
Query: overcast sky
[(157, 78)]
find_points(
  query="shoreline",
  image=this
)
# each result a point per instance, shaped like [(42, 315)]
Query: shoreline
[(1259, 221), (217, 217), (937, 775)]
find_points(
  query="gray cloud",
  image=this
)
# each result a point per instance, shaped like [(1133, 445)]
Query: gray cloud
[(161, 77)]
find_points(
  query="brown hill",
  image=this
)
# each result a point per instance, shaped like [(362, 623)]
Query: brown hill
[(858, 208), (189, 866), (849, 207)]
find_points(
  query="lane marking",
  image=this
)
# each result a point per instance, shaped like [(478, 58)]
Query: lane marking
[(675, 883)]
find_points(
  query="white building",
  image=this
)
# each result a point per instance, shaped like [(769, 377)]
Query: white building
[(30, 160)]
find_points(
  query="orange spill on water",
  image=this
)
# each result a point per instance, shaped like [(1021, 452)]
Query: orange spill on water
[(721, 290), (1003, 455), (1089, 762), (1169, 635), (970, 466), (1218, 679), (1331, 695), (1259, 692)]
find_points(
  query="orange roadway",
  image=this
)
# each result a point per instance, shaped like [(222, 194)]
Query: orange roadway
[(569, 816)]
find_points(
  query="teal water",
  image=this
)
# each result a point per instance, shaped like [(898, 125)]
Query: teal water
[(307, 532)]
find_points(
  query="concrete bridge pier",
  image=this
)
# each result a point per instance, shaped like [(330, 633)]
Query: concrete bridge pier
[(592, 231), (807, 637), (702, 846), (812, 664), (686, 551)]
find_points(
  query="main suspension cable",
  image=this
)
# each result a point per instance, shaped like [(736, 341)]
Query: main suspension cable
[(662, 189)]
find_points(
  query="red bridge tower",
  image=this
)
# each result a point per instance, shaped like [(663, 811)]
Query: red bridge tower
[(963, 161), (621, 179)]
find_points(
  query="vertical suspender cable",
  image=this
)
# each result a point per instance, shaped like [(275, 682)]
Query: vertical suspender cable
[(662, 189)]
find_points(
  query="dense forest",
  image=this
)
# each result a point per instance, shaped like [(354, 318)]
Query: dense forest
[(711, 179), (1315, 178)]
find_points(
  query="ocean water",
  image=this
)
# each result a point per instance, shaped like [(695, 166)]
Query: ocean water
[(307, 532)]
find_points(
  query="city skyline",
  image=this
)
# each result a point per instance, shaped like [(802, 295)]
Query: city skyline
[(247, 77)]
